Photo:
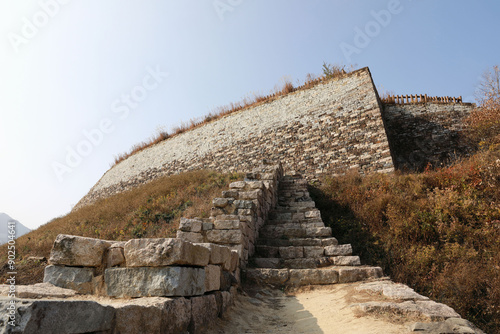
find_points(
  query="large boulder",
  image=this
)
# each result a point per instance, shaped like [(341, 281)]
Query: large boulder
[(155, 282), (71, 250), (164, 252)]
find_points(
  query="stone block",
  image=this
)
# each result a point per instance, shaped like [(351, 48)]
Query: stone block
[(218, 254), (57, 316), (314, 251), (176, 315), (299, 277), (193, 237), (249, 195), (70, 250), (231, 194), (190, 225), (212, 278), (336, 250), (115, 257), (203, 313), (235, 261), (329, 242), (220, 202), (312, 214), (263, 262), (78, 279), (305, 263), (237, 185), (154, 282), (164, 252), (153, 315), (276, 277), (207, 226), (225, 236), (291, 252), (346, 260), (228, 225)]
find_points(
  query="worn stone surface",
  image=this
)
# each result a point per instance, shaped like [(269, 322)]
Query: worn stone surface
[(76, 251), (153, 315), (225, 236), (155, 282), (355, 274), (218, 254), (78, 279), (57, 316), (38, 290), (336, 250), (276, 277), (212, 278), (190, 225), (449, 326), (164, 252), (300, 277), (391, 290), (193, 237), (429, 310), (114, 257), (203, 313)]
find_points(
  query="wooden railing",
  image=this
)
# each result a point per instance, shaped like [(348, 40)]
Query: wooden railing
[(405, 99)]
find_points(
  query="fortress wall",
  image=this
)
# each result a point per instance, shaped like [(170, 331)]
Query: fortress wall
[(328, 128), (423, 133)]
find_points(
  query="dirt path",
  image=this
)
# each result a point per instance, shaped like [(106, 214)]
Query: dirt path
[(314, 310)]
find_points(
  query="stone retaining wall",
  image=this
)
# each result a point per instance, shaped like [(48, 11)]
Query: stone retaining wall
[(328, 128), (423, 133)]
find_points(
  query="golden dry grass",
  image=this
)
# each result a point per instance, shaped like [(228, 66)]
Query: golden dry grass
[(152, 210)]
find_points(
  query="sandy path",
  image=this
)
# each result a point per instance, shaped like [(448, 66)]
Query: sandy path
[(316, 310)]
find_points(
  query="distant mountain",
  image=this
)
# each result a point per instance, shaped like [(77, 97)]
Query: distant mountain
[(4, 232)]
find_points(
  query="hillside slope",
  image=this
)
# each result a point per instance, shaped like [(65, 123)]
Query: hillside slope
[(437, 231)]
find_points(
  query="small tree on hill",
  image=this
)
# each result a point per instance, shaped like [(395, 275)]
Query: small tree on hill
[(484, 122)]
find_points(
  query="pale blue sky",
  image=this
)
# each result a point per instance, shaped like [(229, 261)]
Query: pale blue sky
[(65, 69)]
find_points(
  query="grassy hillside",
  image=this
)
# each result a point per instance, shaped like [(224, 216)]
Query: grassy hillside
[(438, 231), (152, 210)]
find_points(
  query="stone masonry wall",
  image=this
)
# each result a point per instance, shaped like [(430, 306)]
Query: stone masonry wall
[(328, 128), (423, 133)]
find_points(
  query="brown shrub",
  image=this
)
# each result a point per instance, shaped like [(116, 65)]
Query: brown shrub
[(437, 231)]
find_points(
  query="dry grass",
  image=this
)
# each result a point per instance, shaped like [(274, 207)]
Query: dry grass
[(280, 90), (437, 231), (152, 210)]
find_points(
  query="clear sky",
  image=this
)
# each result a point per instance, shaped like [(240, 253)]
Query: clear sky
[(81, 81)]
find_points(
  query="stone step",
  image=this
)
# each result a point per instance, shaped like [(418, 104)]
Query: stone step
[(283, 232), (297, 242), (295, 252), (311, 221), (305, 263), (320, 276), (294, 214)]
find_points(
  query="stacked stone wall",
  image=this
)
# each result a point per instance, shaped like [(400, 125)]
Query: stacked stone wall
[(329, 128), (426, 133)]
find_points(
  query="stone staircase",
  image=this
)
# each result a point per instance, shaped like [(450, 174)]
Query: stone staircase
[(295, 248)]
